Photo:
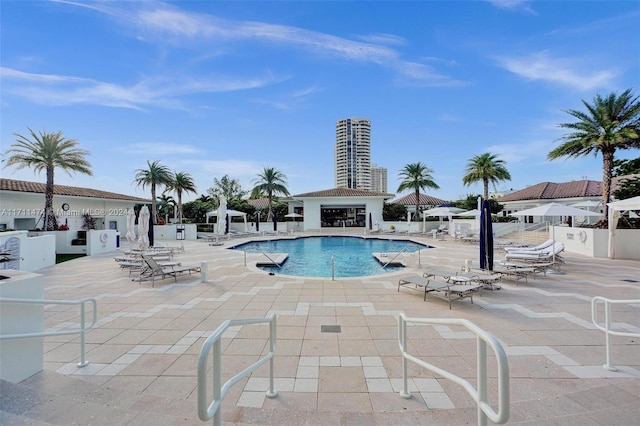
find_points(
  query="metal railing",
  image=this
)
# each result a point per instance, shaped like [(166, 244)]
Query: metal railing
[(81, 331), (278, 265), (607, 323), (394, 257), (480, 395), (206, 410)]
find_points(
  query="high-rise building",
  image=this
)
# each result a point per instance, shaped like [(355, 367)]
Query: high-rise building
[(378, 178), (353, 153)]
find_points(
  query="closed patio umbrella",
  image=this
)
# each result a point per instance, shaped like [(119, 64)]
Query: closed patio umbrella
[(486, 237), (131, 225), (143, 227), (222, 216)]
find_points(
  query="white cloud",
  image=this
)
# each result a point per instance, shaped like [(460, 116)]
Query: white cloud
[(172, 25), (382, 38), (564, 71), (49, 89), (512, 5), (218, 168), (157, 148)]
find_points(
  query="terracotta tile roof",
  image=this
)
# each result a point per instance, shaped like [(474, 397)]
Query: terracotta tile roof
[(343, 192), (74, 191), (551, 190), (425, 200)]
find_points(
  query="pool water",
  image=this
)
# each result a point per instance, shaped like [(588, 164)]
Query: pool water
[(311, 256)]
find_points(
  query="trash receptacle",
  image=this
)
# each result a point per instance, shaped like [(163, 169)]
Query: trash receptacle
[(180, 232)]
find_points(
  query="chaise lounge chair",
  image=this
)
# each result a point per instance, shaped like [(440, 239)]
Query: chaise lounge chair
[(537, 248), (153, 270), (548, 254), (431, 285)]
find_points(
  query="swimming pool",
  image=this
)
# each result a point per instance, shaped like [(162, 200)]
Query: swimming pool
[(311, 256)]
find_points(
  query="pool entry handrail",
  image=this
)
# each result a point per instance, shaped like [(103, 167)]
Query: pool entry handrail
[(608, 325), (479, 395), (81, 331), (394, 257), (206, 410), (278, 265)]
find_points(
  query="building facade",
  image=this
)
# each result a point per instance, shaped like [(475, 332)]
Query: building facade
[(378, 178), (353, 153)]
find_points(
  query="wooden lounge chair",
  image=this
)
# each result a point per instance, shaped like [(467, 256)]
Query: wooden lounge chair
[(153, 270), (431, 285)]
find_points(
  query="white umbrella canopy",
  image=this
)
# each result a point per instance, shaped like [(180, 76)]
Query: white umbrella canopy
[(294, 215), (131, 224), (442, 211), (143, 227), (586, 204), (554, 209), (474, 212)]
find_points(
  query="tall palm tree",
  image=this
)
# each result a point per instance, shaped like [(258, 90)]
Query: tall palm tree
[(272, 182), (485, 168), (182, 182), (416, 176), (46, 151), (156, 175), (610, 124)]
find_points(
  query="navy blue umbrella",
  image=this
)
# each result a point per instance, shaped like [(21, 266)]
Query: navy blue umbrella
[(150, 233), (257, 220), (486, 237), (275, 221)]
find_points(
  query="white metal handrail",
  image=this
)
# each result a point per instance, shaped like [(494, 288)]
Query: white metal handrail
[(479, 395), (394, 257), (208, 411), (607, 323), (81, 331), (265, 255)]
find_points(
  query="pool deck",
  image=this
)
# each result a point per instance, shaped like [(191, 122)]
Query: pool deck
[(143, 354)]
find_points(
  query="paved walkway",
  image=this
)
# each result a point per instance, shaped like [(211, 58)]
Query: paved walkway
[(143, 354)]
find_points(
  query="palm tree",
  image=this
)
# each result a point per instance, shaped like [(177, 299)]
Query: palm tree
[(271, 182), (155, 175), (416, 176), (485, 168), (46, 151), (166, 205), (610, 124), (182, 182)]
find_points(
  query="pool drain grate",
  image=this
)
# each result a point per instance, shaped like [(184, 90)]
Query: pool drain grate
[(330, 329)]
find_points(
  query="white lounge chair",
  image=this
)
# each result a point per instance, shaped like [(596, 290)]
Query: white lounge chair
[(153, 270), (539, 247), (431, 285), (546, 254)]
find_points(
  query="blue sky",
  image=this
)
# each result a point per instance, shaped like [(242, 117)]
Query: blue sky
[(226, 88)]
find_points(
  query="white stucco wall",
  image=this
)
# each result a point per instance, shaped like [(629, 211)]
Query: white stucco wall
[(35, 252), (27, 205), (596, 243)]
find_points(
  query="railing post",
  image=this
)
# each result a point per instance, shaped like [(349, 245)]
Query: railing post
[(402, 324), (272, 393), (83, 361), (333, 269), (607, 334), (217, 380), (482, 380)]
